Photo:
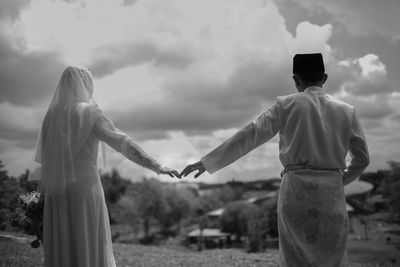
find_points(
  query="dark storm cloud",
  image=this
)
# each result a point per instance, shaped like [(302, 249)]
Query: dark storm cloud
[(27, 78), (11, 8), (107, 60), (396, 118), (25, 137)]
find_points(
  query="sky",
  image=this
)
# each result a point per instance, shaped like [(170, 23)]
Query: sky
[(181, 76)]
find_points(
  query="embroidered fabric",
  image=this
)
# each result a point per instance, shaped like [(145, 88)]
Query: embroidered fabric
[(312, 219)]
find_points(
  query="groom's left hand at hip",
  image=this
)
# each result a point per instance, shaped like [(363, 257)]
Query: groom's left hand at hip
[(198, 166)]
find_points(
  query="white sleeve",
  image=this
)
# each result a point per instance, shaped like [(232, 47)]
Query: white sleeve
[(119, 141), (358, 151), (245, 140)]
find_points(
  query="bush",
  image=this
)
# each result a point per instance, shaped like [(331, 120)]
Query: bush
[(9, 191), (269, 208), (391, 190)]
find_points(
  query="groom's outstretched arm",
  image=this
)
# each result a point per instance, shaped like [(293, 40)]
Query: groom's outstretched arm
[(245, 140)]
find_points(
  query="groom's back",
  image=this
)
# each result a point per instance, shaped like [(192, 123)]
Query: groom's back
[(315, 129)]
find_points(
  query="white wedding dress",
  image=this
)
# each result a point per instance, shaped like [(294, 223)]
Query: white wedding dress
[(76, 228), (76, 225)]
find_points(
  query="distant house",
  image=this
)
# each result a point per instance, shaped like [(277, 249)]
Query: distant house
[(214, 216), (349, 208), (357, 194), (215, 213), (261, 199), (211, 237), (357, 187)]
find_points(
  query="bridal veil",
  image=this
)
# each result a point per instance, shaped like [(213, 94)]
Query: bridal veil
[(64, 130)]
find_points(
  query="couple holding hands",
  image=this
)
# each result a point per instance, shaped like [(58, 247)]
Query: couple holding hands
[(316, 132)]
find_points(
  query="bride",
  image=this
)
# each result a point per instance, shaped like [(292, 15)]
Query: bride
[(76, 229)]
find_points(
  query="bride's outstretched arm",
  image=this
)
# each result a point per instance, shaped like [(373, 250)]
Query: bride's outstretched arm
[(119, 141)]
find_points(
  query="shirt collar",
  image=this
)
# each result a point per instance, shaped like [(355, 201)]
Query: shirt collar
[(315, 89)]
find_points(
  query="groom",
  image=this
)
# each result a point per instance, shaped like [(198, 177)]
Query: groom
[(311, 130), (316, 131)]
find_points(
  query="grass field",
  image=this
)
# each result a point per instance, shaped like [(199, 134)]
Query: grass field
[(16, 252)]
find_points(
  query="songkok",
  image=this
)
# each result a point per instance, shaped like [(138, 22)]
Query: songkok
[(308, 63)]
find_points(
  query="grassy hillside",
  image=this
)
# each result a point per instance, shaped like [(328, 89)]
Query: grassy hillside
[(16, 252)]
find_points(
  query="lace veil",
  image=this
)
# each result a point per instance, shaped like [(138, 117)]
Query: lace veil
[(64, 131)]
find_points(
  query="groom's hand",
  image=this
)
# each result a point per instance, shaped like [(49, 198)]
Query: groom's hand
[(198, 166)]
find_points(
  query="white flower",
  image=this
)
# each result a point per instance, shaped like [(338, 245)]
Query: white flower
[(30, 197)]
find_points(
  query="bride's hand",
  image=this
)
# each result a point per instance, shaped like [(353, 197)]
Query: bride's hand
[(170, 172)]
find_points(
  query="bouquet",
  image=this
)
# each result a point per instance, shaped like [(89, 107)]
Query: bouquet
[(29, 216)]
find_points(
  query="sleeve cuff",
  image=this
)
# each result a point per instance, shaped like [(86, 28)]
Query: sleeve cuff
[(209, 165)]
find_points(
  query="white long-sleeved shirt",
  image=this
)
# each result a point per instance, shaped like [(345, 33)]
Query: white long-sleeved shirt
[(314, 129)]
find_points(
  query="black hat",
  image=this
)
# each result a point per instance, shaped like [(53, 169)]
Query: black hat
[(308, 63)]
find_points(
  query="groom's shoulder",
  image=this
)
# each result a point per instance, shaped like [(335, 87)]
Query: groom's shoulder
[(287, 98), (339, 102)]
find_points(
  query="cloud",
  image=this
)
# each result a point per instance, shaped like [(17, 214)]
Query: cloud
[(218, 74), (363, 83), (372, 68), (311, 38), (179, 76), (361, 17), (364, 76)]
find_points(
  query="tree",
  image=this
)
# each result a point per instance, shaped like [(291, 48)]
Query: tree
[(130, 212), (27, 186), (176, 209), (233, 219), (231, 192), (392, 189), (150, 203), (269, 210), (374, 178), (114, 186), (9, 190), (245, 219), (255, 228), (209, 202)]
